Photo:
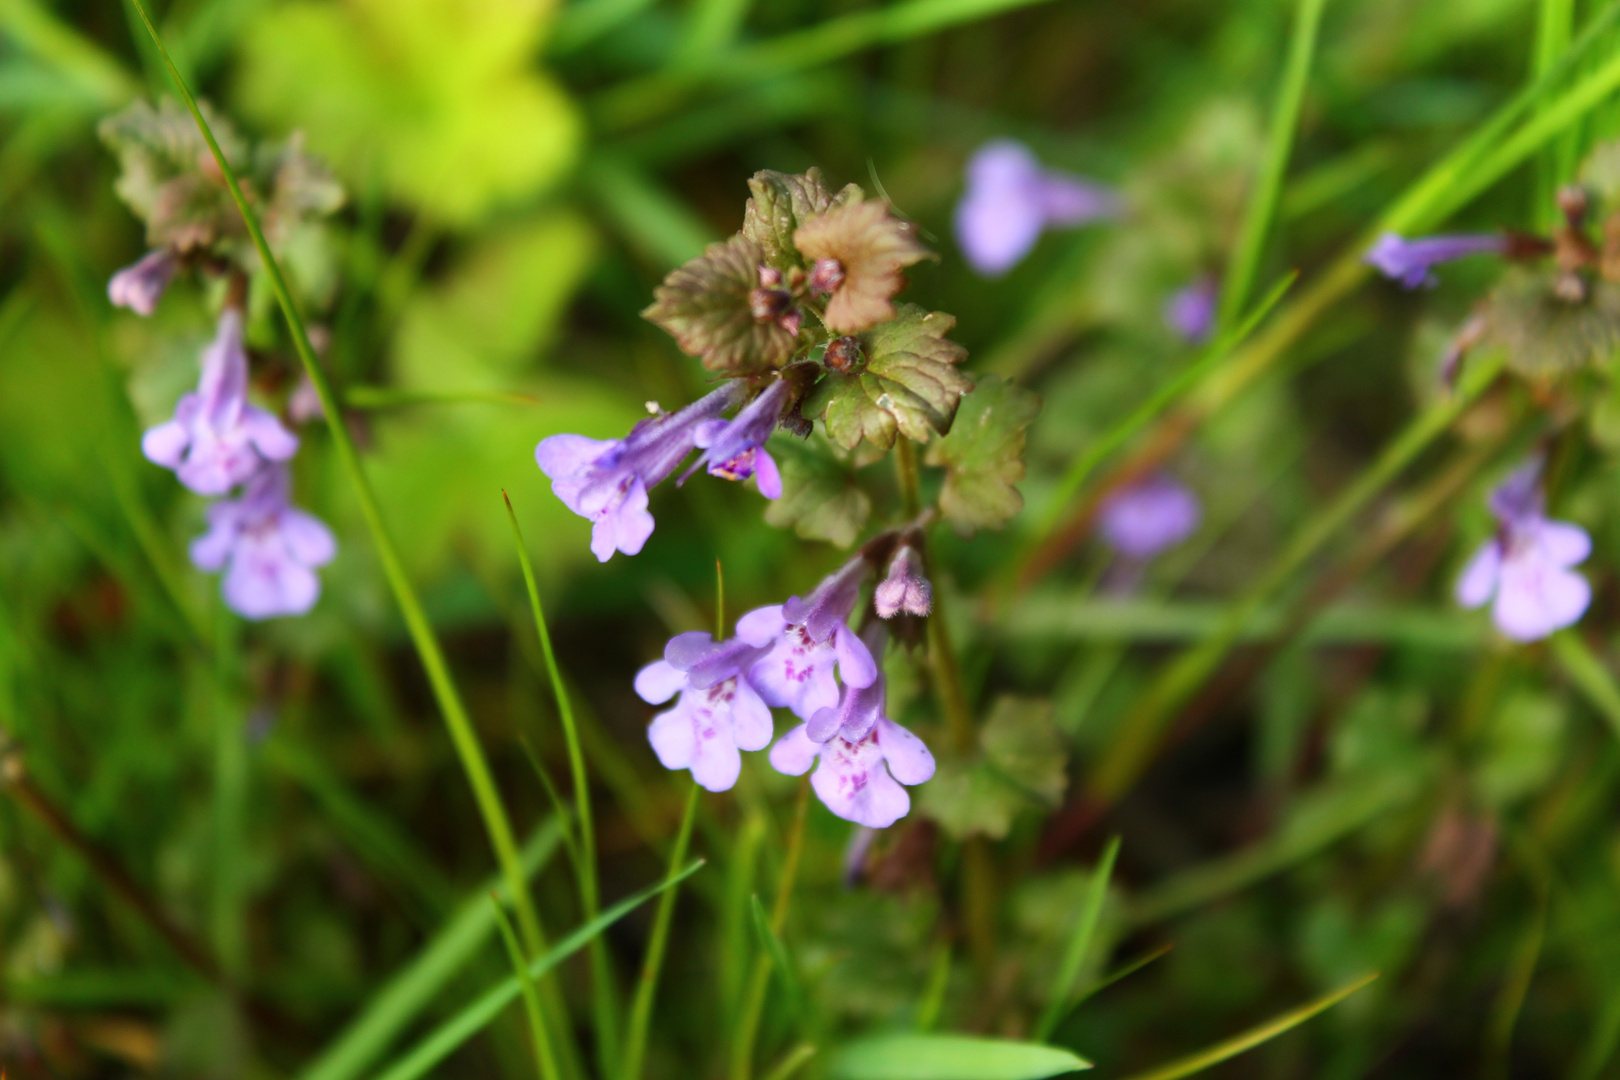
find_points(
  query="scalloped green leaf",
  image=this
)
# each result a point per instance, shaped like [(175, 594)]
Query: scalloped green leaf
[(821, 498), (704, 306), (1022, 762), (1544, 334), (911, 384), (781, 202), (983, 455)]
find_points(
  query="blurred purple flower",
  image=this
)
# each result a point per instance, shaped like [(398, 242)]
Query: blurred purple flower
[(1010, 199), (268, 549), (805, 640), (1526, 566), (1190, 311), (861, 763), (139, 286), (605, 481), (1410, 261), (216, 439), (735, 448), (719, 712), (1144, 519), (904, 588)]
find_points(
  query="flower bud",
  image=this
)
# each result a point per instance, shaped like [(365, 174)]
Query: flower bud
[(904, 589), (844, 355), (826, 276)]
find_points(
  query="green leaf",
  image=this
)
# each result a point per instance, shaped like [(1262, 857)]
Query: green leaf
[(820, 496), (455, 131), (983, 456), (704, 306), (1022, 762), (910, 386), (780, 204), (1545, 335), (950, 1057), (167, 176)]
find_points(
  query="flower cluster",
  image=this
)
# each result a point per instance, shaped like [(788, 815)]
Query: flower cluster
[(218, 441), (801, 656)]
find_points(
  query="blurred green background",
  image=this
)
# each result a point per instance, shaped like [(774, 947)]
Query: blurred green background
[(1394, 790)]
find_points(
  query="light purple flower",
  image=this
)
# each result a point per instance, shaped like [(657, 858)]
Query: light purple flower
[(268, 549), (719, 712), (216, 439), (805, 640), (1410, 261), (1148, 517), (1190, 311), (904, 588), (860, 763), (735, 448), (1526, 566), (1010, 199), (139, 286), (605, 481)]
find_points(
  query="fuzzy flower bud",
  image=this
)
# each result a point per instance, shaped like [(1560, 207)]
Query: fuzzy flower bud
[(140, 285), (904, 589)]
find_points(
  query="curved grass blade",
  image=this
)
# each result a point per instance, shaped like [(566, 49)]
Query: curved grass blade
[(1262, 208), (950, 1057), (772, 943), (635, 1045), (1586, 671), (546, 1065), (459, 724), (1197, 1063), (475, 1017), (1058, 1003), (795, 1059), (391, 1009)]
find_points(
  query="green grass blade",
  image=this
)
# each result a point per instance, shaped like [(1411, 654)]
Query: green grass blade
[(1074, 957), (1555, 26), (656, 224), (1204, 1059), (950, 1057), (792, 1062), (1587, 672), (635, 1046), (458, 723), (1124, 971), (776, 949), (1161, 399), (475, 1017), (393, 1008), (711, 28), (1144, 727), (605, 1010), (1262, 208), (583, 22), (393, 397), (544, 1064)]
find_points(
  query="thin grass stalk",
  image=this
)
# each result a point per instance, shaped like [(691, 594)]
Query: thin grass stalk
[(1144, 726), (604, 1006), (1074, 957), (1555, 25), (759, 978), (1230, 1048), (545, 1063), (1262, 208), (635, 1045), (462, 734)]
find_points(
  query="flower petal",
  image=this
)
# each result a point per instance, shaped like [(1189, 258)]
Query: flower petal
[(1536, 598), (673, 737), (306, 537), (761, 626), (265, 431), (659, 681), (564, 455), (794, 753), (855, 663), (1561, 543), (1478, 581), (766, 474), (909, 759), (751, 726)]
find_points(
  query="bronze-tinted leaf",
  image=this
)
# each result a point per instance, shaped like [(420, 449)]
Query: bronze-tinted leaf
[(1546, 335), (871, 247), (782, 202), (705, 306)]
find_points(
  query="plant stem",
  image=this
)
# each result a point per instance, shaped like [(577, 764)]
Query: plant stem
[(462, 734), (635, 1046), (742, 1051), (604, 1007), (905, 464)]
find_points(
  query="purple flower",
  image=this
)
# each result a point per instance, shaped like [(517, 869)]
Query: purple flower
[(719, 712), (904, 588), (1144, 519), (140, 285), (605, 481), (216, 439), (1010, 199), (735, 448), (1410, 261), (1526, 566), (860, 762), (1190, 311), (804, 640), (268, 549)]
